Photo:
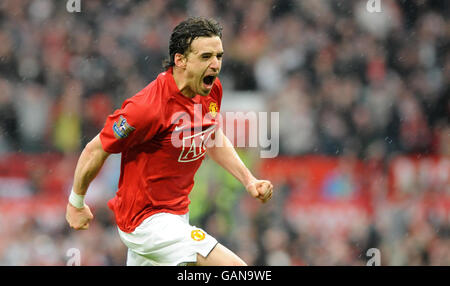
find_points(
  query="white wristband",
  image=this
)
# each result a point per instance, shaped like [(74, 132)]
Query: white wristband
[(76, 200)]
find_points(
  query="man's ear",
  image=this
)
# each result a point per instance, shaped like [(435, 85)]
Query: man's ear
[(180, 60)]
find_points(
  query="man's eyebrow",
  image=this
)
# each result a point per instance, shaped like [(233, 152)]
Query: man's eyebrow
[(210, 53)]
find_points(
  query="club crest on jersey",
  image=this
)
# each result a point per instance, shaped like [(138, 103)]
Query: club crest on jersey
[(213, 109), (121, 128)]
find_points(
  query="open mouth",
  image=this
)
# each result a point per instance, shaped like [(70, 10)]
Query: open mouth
[(209, 80)]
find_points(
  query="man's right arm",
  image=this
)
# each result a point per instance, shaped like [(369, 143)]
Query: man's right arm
[(89, 164)]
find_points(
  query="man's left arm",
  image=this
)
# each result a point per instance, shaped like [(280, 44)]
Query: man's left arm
[(226, 156)]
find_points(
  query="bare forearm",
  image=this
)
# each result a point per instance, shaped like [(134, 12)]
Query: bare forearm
[(227, 157), (89, 164)]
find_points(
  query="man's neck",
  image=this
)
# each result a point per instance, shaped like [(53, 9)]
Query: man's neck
[(181, 82)]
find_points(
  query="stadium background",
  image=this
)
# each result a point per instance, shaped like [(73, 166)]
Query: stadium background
[(364, 108)]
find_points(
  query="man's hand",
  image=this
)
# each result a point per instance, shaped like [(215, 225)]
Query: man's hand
[(78, 219), (260, 189)]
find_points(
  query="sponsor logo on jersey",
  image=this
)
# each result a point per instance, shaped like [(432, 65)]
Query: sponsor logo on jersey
[(197, 235), (121, 128), (194, 146)]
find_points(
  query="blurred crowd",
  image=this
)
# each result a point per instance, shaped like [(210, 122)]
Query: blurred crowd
[(346, 82)]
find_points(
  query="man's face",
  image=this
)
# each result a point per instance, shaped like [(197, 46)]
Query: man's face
[(203, 64)]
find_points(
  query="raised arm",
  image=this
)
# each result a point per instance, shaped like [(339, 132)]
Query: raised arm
[(224, 154), (91, 160)]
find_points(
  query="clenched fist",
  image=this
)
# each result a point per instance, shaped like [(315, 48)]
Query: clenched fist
[(260, 189), (78, 219)]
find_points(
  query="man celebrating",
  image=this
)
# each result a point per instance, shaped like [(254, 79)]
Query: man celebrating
[(151, 204)]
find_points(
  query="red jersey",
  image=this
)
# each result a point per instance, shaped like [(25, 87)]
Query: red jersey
[(157, 175)]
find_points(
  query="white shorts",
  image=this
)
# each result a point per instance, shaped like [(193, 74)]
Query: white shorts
[(166, 239)]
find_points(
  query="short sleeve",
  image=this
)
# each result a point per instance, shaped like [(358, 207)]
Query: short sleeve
[(132, 124)]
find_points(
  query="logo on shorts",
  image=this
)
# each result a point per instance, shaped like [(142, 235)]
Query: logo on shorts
[(121, 128), (197, 235)]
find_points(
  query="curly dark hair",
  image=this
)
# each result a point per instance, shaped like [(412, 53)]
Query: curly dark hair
[(187, 31)]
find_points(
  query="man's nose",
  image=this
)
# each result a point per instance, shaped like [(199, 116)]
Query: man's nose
[(215, 64)]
